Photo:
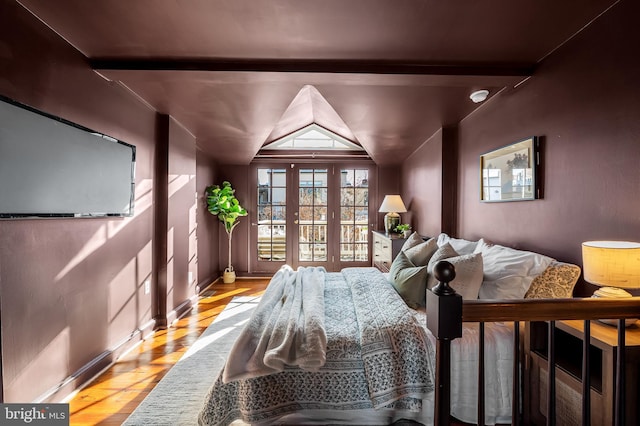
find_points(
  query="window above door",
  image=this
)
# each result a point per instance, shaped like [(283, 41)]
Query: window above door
[(313, 137)]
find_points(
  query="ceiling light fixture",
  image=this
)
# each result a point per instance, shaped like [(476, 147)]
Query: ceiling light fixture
[(479, 95)]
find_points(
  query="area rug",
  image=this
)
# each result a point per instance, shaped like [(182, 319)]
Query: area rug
[(178, 397)]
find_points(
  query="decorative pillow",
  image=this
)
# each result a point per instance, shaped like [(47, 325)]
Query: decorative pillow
[(413, 240), (444, 252), (460, 245), (420, 254), (556, 282), (508, 272), (410, 281), (468, 275)]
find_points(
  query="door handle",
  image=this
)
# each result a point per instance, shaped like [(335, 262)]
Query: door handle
[(295, 221)]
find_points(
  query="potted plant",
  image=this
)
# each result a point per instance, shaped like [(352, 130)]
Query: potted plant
[(222, 202), (404, 228)]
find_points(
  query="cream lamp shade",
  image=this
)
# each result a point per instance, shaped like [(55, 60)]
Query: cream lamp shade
[(392, 205), (612, 263)]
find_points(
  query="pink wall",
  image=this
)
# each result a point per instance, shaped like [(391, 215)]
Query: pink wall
[(208, 229), (73, 289), (182, 218), (583, 102), (240, 180), (422, 187)]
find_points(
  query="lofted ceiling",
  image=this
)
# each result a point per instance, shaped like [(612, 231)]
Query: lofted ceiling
[(392, 71)]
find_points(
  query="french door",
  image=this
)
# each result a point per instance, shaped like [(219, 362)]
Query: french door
[(311, 215)]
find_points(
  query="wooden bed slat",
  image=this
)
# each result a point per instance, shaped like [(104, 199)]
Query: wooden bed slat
[(515, 399), (481, 374), (586, 374), (551, 378), (620, 376)]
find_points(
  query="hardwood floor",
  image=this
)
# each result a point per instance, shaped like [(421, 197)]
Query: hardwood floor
[(113, 396)]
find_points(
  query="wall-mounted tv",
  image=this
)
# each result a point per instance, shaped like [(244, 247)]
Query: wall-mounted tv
[(50, 167)]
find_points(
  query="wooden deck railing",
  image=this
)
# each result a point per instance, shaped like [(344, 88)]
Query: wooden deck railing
[(441, 306)]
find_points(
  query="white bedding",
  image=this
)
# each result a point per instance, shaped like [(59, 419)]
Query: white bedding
[(287, 327), (498, 378), (498, 352)]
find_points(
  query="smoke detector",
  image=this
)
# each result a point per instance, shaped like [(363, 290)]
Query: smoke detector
[(479, 95)]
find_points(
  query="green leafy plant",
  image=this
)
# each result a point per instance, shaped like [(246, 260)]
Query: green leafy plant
[(403, 227), (222, 202)]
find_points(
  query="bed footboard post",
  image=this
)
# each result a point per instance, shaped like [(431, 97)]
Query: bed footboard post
[(444, 320)]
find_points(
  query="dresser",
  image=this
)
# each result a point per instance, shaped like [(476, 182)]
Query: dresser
[(385, 249)]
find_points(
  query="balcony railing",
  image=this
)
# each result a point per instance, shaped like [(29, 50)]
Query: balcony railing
[(272, 239)]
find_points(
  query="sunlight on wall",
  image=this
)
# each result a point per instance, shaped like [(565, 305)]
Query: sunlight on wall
[(144, 200), (177, 182), (53, 358), (170, 280), (98, 239), (105, 232), (193, 244), (126, 296), (144, 259), (119, 298)]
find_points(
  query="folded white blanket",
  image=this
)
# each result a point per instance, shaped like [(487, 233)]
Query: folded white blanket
[(287, 327)]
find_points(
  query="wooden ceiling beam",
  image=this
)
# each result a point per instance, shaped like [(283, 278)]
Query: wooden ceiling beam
[(313, 66)]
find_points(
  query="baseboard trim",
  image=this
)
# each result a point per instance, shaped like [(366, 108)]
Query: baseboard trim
[(182, 309), (218, 279), (68, 387)]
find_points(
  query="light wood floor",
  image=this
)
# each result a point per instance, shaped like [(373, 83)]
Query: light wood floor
[(113, 396)]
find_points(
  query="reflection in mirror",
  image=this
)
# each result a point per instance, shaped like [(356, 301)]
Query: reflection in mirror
[(510, 173)]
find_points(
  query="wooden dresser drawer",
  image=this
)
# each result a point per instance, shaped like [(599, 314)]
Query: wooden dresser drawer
[(385, 249)]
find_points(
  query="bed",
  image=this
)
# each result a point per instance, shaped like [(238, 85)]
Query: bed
[(367, 359)]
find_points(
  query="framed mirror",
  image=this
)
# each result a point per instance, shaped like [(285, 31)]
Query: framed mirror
[(510, 173)]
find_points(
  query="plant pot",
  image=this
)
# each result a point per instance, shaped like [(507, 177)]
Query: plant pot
[(407, 233), (229, 276)]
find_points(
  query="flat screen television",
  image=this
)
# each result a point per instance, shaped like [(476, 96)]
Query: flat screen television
[(50, 167)]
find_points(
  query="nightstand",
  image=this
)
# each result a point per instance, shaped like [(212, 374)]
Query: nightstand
[(385, 249), (568, 352)]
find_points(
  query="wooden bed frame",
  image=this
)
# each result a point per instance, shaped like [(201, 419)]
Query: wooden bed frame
[(445, 319)]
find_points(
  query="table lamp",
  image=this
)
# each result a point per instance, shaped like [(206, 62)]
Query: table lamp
[(392, 205), (613, 266)]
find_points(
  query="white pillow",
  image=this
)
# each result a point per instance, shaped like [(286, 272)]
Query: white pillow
[(468, 278), (508, 272), (420, 254), (460, 245)]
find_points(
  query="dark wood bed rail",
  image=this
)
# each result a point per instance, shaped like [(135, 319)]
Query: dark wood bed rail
[(445, 322), (549, 309)]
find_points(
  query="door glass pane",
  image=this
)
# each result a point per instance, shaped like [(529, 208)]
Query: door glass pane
[(354, 215), (320, 196), (312, 220), (346, 196), (279, 196), (320, 214), (272, 211)]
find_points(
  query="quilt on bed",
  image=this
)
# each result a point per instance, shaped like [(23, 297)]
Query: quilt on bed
[(377, 355)]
